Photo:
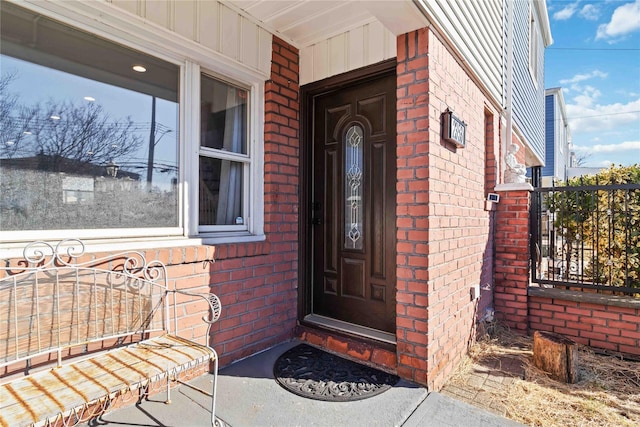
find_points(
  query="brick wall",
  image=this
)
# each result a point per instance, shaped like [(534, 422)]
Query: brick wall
[(491, 166), (512, 259), (602, 321), (412, 208), (443, 228), (599, 321)]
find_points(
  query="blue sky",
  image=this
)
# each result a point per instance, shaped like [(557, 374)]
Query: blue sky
[(595, 58)]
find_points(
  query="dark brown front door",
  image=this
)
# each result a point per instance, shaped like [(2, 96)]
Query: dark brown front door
[(353, 203)]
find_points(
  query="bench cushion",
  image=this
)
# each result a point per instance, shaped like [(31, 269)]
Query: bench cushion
[(71, 388)]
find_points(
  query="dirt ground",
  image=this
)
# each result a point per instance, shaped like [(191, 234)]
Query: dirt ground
[(499, 375)]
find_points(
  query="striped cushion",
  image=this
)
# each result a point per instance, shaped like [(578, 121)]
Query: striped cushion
[(34, 399)]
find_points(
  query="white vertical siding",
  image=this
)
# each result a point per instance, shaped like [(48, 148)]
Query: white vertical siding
[(186, 19), (475, 29), (355, 46), (208, 33), (132, 6), (157, 11), (211, 24), (250, 44), (230, 32), (361, 46)]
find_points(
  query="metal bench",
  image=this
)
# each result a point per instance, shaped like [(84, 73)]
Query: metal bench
[(78, 336)]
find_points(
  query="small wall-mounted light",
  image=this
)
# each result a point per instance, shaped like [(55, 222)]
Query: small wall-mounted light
[(493, 197), (454, 130)]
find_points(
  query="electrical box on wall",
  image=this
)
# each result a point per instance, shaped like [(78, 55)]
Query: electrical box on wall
[(475, 292), (493, 197)]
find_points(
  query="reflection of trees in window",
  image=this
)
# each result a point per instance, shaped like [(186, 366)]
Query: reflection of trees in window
[(71, 155), (53, 168), (66, 134)]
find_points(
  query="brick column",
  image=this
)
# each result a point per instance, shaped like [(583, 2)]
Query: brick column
[(512, 268), (412, 205)]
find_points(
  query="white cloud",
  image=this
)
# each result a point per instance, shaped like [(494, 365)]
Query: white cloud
[(610, 148), (567, 12), (625, 20), (590, 12), (588, 96), (586, 115), (582, 77)]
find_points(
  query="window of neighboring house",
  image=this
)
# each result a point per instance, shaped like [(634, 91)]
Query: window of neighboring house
[(533, 46), (90, 139)]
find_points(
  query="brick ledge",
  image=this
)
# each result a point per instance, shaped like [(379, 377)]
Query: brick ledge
[(577, 296)]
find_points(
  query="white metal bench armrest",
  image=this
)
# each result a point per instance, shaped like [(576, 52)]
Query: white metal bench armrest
[(215, 309)]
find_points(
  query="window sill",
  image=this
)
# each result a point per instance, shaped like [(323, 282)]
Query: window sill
[(222, 238), (93, 246)]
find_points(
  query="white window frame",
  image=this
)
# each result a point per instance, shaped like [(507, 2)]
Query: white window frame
[(118, 26), (533, 45)]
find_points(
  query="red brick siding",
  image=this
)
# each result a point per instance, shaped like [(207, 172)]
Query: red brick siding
[(370, 354), (597, 325), (412, 216), (443, 228), (512, 259), (491, 141), (490, 161)]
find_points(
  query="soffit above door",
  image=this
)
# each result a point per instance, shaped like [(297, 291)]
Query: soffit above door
[(303, 23)]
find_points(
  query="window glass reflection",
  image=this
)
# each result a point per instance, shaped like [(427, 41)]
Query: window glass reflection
[(220, 192), (223, 116), (86, 142)]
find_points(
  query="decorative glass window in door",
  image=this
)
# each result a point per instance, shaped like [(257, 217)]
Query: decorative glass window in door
[(353, 166)]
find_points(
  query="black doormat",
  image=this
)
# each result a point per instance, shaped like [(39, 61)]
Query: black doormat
[(316, 374)]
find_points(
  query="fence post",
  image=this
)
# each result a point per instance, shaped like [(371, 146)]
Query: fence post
[(512, 256)]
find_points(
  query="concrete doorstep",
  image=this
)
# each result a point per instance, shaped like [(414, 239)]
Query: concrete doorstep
[(248, 395)]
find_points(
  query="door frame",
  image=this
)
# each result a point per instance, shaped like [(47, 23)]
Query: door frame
[(307, 93)]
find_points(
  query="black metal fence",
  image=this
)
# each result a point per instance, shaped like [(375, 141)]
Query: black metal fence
[(587, 237)]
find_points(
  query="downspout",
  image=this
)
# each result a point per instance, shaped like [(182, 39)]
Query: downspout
[(509, 90)]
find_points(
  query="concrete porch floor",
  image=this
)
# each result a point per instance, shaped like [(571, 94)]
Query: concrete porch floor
[(249, 396)]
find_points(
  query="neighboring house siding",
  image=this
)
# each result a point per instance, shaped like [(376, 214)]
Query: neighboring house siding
[(528, 95), (557, 135), (550, 135), (562, 139), (210, 24), (475, 29), (356, 48)]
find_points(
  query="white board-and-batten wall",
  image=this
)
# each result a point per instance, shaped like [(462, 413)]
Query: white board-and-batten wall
[(220, 28)]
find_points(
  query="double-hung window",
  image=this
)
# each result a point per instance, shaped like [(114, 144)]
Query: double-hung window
[(108, 140), (224, 160), (534, 45)]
